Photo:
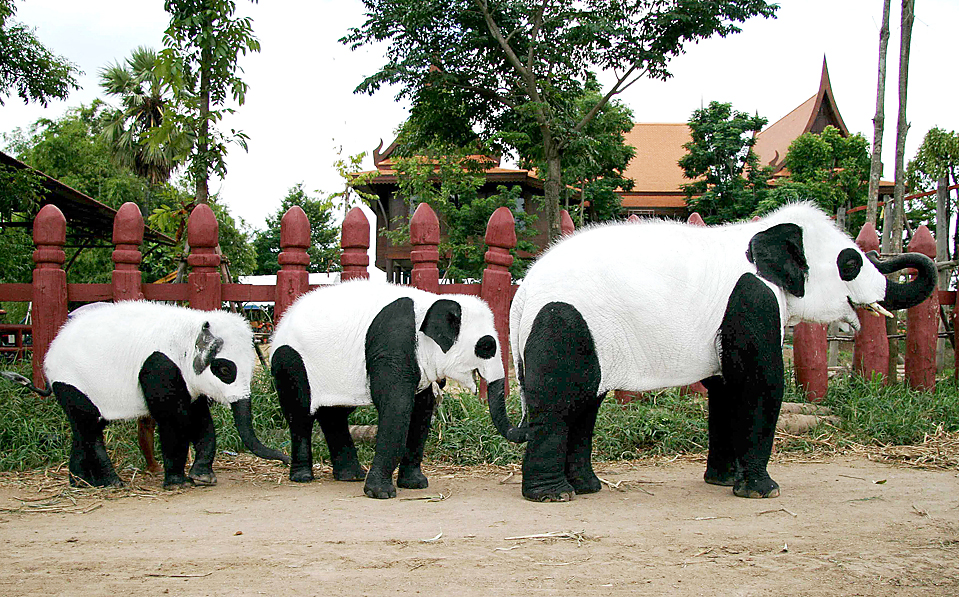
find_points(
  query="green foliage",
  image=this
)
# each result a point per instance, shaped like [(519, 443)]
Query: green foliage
[(937, 159), (200, 62), (510, 68), (324, 247), (451, 181), (829, 169), (27, 67), (728, 181)]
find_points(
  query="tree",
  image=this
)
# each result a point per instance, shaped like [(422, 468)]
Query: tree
[(879, 120), (728, 182), (324, 248), (829, 169), (200, 61), (145, 99), (27, 67), (450, 180), (936, 165), (504, 67)]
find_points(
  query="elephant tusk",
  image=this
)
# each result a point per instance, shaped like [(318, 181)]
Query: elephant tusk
[(877, 310)]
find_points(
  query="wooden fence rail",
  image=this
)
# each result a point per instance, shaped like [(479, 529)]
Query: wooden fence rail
[(204, 289)]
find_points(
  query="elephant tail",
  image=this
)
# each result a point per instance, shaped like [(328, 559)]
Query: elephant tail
[(23, 381)]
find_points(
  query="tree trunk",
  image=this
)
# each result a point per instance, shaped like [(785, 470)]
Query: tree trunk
[(942, 254), (878, 121), (203, 136), (551, 189), (894, 244)]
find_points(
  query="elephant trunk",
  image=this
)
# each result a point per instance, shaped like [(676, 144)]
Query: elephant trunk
[(243, 419), (907, 294), (496, 396)]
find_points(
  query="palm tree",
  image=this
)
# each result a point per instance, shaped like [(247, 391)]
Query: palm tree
[(145, 98)]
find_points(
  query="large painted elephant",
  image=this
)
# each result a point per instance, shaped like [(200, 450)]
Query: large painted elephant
[(639, 306), (362, 343), (136, 358)]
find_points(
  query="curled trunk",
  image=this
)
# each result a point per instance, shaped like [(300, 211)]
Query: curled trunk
[(908, 294), (243, 419), (496, 396)]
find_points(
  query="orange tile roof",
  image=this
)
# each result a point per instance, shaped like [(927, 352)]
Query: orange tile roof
[(773, 141), (658, 149)]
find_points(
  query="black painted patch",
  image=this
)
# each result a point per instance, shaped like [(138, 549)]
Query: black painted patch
[(391, 341), (293, 392), (486, 347), (89, 460), (442, 322), (849, 263), (224, 370), (778, 255)]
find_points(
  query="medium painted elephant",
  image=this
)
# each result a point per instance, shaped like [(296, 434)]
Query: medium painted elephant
[(639, 306), (362, 343), (136, 358)]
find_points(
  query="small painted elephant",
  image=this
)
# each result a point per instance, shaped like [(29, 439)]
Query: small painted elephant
[(639, 306), (362, 343), (136, 358)]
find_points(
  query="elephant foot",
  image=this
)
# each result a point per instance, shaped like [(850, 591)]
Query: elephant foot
[(411, 478), (203, 479), (301, 474), (724, 476), (586, 484), (78, 481), (177, 482), (562, 493), (379, 485), (756, 488), (354, 472)]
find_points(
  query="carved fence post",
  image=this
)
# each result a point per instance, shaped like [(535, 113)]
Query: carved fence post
[(355, 242), (811, 358), (496, 288), (425, 238), (49, 284), (566, 225), (205, 291), (127, 238), (633, 219), (922, 324), (870, 353), (292, 279)]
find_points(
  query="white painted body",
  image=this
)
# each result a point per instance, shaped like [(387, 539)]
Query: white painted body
[(328, 328), (100, 351), (654, 293)]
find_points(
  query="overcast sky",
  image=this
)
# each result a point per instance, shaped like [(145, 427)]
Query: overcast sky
[(301, 110)]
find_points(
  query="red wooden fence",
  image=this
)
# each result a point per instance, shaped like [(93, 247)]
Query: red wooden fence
[(204, 288)]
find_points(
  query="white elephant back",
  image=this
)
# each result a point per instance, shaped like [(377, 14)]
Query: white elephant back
[(101, 351), (640, 287)]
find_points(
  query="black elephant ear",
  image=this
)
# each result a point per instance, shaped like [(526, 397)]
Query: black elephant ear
[(778, 255), (442, 323)]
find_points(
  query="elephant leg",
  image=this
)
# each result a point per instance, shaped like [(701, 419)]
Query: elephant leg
[(334, 421), (395, 408), (203, 436), (722, 466), (146, 430), (293, 391), (752, 369), (561, 377), (168, 401), (410, 475), (89, 461), (544, 463), (579, 450)]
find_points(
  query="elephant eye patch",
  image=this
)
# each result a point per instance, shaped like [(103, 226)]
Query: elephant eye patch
[(486, 347), (849, 263), (224, 370)]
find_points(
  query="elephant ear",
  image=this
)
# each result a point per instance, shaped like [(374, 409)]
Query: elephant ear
[(778, 255), (442, 323), (207, 347)]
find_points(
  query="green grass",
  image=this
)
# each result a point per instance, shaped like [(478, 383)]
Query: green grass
[(34, 432)]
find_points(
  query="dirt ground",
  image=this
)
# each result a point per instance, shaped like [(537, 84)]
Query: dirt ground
[(843, 526)]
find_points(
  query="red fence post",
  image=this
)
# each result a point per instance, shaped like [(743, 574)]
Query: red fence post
[(870, 352), (922, 324), (49, 284), (205, 291), (811, 358), (496, 288), (566, 225), (292, 279), (127, 238), (355, 242), (425, 238), (695, 219)]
